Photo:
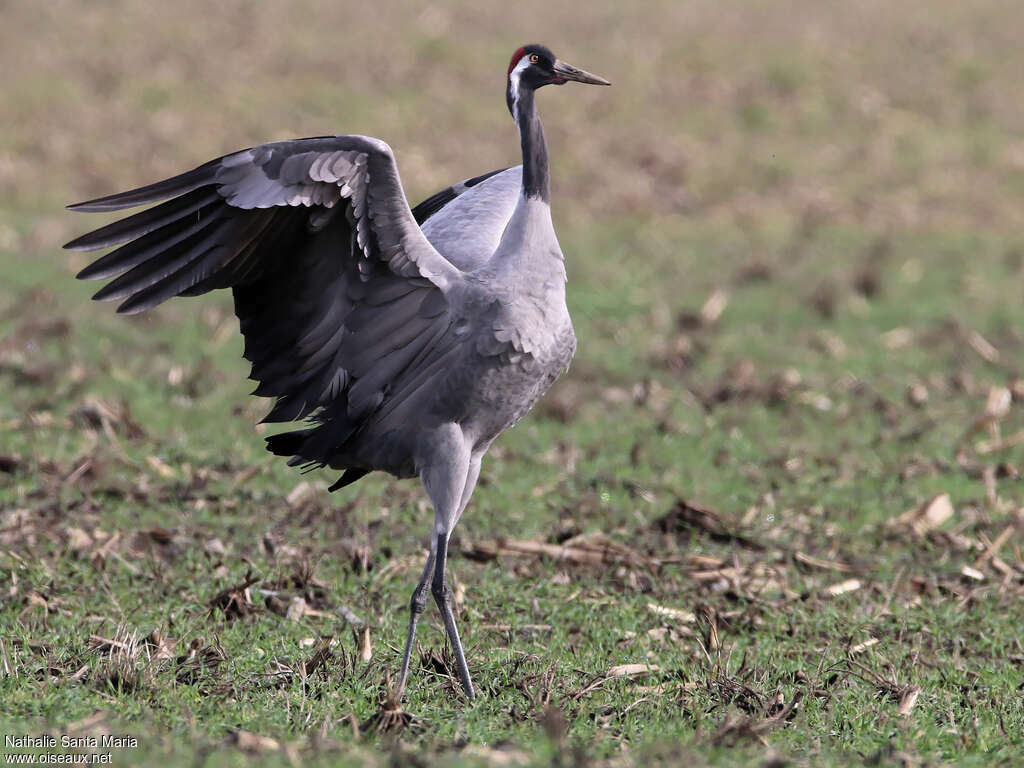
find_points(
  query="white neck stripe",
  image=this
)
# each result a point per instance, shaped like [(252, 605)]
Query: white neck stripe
[(513, 78)]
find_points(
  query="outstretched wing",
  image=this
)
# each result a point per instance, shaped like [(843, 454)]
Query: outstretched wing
[(336, 288)]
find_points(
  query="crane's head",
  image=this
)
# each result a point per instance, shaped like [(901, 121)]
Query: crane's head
[(533, 66)]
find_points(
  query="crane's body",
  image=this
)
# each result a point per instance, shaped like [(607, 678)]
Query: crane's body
[(409, 338), (509, 337)]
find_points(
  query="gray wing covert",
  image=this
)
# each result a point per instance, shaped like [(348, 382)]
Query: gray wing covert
[(336, 288)]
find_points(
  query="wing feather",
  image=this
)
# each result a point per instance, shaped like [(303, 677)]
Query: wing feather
[(151, 193), (142, 223), (342, 299), (167, 257)]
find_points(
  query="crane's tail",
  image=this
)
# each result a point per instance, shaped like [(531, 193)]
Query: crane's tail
[(292, 443), (288, 443)]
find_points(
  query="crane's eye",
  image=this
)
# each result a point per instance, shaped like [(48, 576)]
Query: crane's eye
[(534, 58)]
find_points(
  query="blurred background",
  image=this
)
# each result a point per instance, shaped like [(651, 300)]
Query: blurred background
[(756, 114), (821, 175), (794, 232)]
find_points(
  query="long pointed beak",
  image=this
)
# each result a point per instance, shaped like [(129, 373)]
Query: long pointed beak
[(568, 72)]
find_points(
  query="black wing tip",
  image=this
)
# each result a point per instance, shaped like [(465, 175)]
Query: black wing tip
[(103, 295), (109, 203), (87, 273), (152, 193), (88, 241), (82, 243), (135, 302), (86, 206)]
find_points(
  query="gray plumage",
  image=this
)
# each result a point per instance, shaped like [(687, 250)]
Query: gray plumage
[(409, 339)]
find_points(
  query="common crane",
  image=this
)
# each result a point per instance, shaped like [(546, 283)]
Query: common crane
[(408, 338)]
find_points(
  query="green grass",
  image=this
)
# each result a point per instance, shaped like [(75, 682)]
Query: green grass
[(851, 195)]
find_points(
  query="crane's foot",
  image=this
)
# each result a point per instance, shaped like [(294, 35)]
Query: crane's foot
[(391, 718)]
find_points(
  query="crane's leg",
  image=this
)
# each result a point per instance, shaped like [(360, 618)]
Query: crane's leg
[(449, 473), (442, 593), (416, 607), (443, 598)]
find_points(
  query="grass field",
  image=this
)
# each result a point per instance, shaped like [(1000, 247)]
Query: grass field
[(773, 515)]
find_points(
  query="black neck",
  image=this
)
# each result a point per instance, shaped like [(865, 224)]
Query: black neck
[(536, 179)]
